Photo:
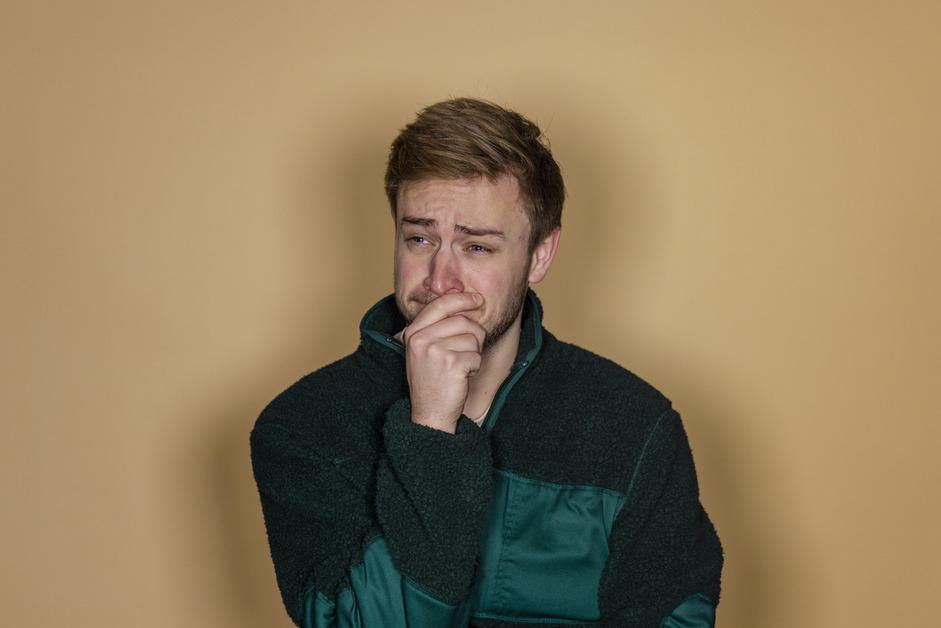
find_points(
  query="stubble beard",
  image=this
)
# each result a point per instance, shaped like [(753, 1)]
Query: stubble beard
[(509, 314)]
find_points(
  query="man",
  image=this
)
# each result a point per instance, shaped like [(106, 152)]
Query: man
[(463, 467)]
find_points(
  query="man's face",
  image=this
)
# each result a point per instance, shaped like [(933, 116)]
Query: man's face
[(466, 235)]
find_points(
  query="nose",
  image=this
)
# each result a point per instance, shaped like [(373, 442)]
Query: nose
[(443, 273)]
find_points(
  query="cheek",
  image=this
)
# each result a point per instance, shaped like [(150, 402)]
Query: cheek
[(493, 286), (407, 268)]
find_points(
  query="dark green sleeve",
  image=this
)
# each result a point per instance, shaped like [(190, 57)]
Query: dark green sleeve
[(383, 540), (665, 559), (432, 497)]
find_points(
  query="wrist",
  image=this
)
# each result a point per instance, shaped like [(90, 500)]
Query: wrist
[(449, 426)]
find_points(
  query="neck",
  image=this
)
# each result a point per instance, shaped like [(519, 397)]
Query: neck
[(495, 366)]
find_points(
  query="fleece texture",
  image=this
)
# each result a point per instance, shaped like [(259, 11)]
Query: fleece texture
[(338, 462)]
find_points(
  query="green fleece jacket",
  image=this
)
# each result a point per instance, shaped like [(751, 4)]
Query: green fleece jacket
[(576, 502)]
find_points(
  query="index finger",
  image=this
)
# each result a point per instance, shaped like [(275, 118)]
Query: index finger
[(444, 306)]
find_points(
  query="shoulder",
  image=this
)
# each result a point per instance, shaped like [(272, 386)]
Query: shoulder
[(317, 389), (579, 417), (631, 416), (598, 386), (334, 409)]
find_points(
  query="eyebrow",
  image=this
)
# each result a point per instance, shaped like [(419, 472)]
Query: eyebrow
[(474, 231)]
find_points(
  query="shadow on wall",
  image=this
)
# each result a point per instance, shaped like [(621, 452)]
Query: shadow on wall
[(248, 587), (749, 596), (325, 329)]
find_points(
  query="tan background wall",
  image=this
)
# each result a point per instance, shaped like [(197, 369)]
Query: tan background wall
[(192, 218)]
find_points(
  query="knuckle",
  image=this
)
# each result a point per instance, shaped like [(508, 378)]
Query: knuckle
[(420, 337), (450, 360)]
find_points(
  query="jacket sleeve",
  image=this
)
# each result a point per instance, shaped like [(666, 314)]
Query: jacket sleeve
[(388, 541), (665, 558)]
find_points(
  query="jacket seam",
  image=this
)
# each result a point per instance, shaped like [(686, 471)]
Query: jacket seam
[(427, 592), (559, 485), (312, 588), (499, 589), (698, 594), (534, 620), (643, 454)]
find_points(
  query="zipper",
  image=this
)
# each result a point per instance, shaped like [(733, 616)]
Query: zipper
[(508, 384)]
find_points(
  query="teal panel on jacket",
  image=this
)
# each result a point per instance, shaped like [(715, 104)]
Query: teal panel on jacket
[(379, 595), (544, 550), (696, 611)]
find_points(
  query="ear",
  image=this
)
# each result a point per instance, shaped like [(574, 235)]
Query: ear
[(543, 255)]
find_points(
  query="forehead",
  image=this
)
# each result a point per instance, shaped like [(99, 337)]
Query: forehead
[(471, 202)]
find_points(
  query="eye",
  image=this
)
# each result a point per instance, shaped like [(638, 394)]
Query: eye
[(479, 249), (416, 239)]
